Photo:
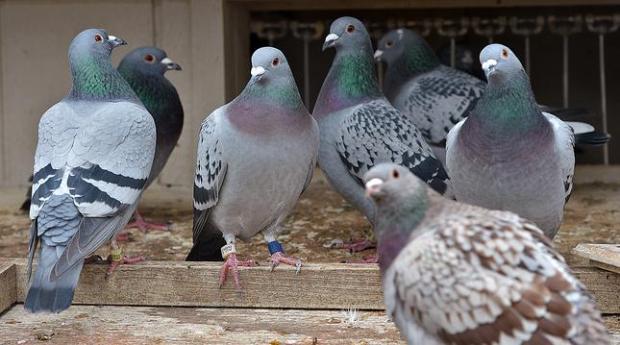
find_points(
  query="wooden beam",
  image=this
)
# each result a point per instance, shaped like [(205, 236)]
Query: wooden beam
[(8, 285), (604, 256), (318, 286)]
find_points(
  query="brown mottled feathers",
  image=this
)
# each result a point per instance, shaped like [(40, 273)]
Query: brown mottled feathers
[(474, 276)]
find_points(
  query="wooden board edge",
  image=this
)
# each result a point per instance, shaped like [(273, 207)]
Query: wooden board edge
[(8, 285), (604, 256)]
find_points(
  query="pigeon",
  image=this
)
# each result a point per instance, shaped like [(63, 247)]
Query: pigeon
[(256, 155), (508, 154), (359, 128), (460, 274), (144, 68), (93, 157), (436, 97)]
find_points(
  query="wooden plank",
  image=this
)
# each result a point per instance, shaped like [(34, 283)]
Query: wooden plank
[(173, 283), (605, 256), (318, 286), (8, 285)]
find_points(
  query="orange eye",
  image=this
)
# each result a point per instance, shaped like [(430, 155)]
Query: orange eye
[(149, 58), (275, 62), (350, 28), (98, 38), (389, 44), (504, 54), (395, 174)]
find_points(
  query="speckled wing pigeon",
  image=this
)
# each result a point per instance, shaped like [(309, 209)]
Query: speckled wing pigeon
[(144, 70), (93, 158), (434, 96), (256, 155), (460, 274), (359, 127), (508, 154)]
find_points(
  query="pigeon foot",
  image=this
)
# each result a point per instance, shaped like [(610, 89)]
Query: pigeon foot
[(232, 264), (279, 257)]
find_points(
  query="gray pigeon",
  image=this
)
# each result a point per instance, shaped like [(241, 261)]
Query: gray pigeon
[(256, 156), (359, 127), (436, 97), (92, 161), (144, 69), (460, 274), (508, 154)]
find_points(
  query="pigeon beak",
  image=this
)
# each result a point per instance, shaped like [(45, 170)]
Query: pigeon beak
[(489, 66), (257, 72), (373, 187), (116, 41), (330, 41), (171, 65), (378, 54)]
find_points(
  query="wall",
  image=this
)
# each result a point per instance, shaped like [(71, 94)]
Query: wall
[(35, 34)]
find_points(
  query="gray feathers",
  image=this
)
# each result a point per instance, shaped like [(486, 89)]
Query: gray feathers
[(93, 158)]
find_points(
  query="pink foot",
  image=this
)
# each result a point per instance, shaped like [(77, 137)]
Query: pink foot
[(279, 257), (116, 259), (140, 223), (232, 264), (359, 245)]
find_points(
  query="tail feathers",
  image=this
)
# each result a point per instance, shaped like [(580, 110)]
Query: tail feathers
[(208, 247), (46, 295), (594, 138)]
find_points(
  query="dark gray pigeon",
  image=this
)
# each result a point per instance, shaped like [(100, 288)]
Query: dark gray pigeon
[(256, 155), (144, 70), (359, 127), (436, 97), (508, 154), (460, 274), (92, 161)]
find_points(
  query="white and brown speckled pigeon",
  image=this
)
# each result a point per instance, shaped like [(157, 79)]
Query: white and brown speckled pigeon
[(256, 155), (508, 154), (94, 154), (460, 274), (359, 127)]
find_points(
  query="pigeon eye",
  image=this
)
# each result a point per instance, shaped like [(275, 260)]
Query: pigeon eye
[(389, 44), (350, 28), (98, 38), (149, 58), (504, 54), (275, 62), (395, 174)]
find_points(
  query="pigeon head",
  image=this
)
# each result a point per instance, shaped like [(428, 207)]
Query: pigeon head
[(405, 46), (500, 63), (93, 76), (347, 33), (148, 60), (389, 183), (269, 64), (94, 42)]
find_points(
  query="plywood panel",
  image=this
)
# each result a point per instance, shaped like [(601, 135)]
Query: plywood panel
[(35, 36), (173, 34)]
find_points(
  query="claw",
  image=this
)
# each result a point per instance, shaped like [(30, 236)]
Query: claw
[(232, 264), (279, 257), (117, 258)]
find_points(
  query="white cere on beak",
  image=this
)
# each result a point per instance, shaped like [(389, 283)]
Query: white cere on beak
[(373, 184), (489, 64), (112, 38), (331, 38), (378, 53), (256, 71), (167, 61)]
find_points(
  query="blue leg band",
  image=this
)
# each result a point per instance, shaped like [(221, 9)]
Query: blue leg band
[(274, 247)]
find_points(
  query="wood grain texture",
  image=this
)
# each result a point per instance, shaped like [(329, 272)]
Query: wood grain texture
[(8, 285), (605, 256), (318, 286)]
